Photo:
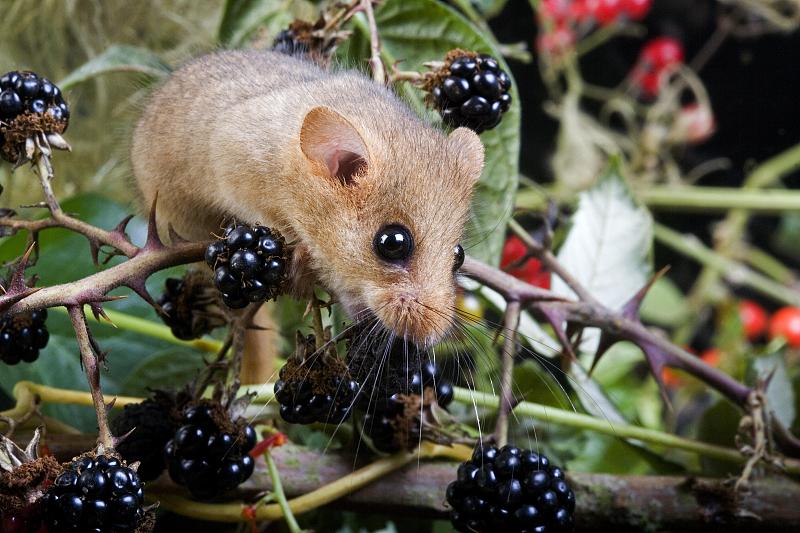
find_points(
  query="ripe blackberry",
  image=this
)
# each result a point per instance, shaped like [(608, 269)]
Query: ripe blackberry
[(510, 489), (287, 42), (22, 336), (400, 368), (189, 306), (151, 427), (29, 104), (315, 387), (98, 494), (249, 264), (209, 453), (470, 90)]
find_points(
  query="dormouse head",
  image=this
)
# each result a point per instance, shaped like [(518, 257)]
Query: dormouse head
[(389, 203)]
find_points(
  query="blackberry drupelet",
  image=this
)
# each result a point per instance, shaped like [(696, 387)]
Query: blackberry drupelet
[(22, 336), (510, 489), (401, 368), (249, 264), (28, 103), (189, 306), (287, 42), (97, 494), (209, 452), (470, 90), (152, 427), (315, 387)]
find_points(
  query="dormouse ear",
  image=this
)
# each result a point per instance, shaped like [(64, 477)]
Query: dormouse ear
[(335, 147), (468, 146)]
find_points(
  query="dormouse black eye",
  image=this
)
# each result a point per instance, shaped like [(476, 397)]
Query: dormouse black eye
[(458, 257), (394, 243)]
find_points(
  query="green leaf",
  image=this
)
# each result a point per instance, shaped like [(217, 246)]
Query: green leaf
[(241, 18), (665, 305), (608, 248), (117, 58), (162, 370), (417, 31), (780, 393)]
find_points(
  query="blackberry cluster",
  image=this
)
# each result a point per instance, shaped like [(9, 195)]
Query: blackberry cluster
[(315, 387), (510, 489), (287, 42), (189, 306), (150, 427), (249, 264), (208, 453), (472, 91), (26, 94), (22, 336), (392, 408), (393, 422), (96, 495)]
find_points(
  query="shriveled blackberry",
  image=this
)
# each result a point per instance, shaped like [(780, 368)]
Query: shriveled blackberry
[(24, 477), (29, 104), (510, 489), (98, 494), (189, 306), (287, 42), (249, 264), (22, 336), (470, 90), (315, 387), (151, 427), (209, 452)]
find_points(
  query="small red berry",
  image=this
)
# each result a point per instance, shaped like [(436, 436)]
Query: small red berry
[(712, 357), (694, 124), (753, 318), (605, 11), (662, 52), (531, 271), (636, 9), (785, 322), (555, 42)]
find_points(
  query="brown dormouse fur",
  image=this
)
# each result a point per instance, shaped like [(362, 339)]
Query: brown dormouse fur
[(326, 158)]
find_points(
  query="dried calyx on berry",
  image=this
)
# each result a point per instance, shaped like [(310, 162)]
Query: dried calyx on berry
[(315, 385), (22, 336), (469, 90), (143, 429), (31, 107), (249, 264), (24, 477), (510, 489), (405, 388), (97, 492), (316, 41), (209, 452), (190, 306)]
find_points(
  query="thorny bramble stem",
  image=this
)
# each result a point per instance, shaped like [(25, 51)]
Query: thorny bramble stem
[(90, 360), (510, 324)]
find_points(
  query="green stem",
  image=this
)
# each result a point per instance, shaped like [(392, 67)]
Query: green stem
[(572, 419), (735, 272), (769, 265), (627, 431), (729, 232), (280, 496), (686, 198), (152, 329)]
